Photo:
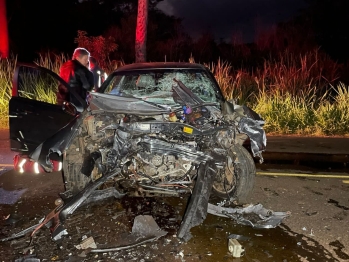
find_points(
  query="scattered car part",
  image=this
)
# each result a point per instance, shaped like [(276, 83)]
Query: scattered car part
[(88, 242), (197, 204), (23, 232), (57, 216), (235, 248), (73, 203), (102, 194), (29, 258), (150, 239), (144, 228), (238, 237), (262, 217)]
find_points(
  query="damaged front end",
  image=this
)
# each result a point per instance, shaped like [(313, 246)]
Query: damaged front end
[(250, 123), (173, 141)]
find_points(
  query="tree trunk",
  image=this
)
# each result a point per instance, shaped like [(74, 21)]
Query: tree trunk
[(141, 31), (3, 31)]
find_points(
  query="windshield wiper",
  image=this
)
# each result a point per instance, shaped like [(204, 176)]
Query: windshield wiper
[(186, 95), (196, 106), (155, 104)]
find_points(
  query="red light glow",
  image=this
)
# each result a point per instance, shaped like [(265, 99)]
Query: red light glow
[(3, 31)]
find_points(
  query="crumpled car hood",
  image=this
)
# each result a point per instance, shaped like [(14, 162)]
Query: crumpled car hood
[(126, 105)]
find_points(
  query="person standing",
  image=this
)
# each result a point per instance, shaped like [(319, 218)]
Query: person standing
[(77, 74)]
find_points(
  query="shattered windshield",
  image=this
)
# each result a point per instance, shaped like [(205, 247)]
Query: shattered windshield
[(158, 86)]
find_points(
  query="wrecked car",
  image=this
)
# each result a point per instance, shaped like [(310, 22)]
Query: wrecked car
[(152, 129)]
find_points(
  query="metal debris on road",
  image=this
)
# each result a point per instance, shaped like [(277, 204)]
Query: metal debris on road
[(238, 237), (29, 258), (255, 216), (57, 216), (124, 247), (144, 227), (23, 232), (87, 243)]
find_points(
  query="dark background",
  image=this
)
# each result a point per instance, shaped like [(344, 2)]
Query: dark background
[(206, 29)]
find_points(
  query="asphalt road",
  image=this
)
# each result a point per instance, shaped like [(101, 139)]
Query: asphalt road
[(316, 230)]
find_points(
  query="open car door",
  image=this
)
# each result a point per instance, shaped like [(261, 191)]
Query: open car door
[(34, 115)]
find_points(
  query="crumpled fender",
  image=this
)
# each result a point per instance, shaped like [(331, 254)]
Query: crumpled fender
[(249, 123), (254, 130), (57, 143)]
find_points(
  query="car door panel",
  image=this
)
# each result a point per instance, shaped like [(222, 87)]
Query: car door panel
[(32, 122), (33, 114)]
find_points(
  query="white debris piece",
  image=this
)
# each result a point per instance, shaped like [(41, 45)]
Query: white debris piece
[(181, 253), (87, 243), (235, 248)]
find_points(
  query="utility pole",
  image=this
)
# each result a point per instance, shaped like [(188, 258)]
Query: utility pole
[(141, 32)]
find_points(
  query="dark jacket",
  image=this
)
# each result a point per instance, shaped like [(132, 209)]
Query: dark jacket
[(78, 77)]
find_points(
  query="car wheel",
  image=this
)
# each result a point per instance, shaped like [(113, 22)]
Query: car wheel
[(237, 180), (74, 180)]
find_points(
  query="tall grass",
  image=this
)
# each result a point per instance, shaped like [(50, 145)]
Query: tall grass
[(294, 94), (51, 61), (297, 74), (332, 117), (39, 87), (238, 86), (285, 113), (7, 67)]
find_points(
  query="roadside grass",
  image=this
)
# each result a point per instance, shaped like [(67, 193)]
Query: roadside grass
[(332, 117), (38, 87), (51, 61), (7, 67), (294, 94)]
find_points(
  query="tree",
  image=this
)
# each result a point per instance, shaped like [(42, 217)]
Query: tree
[(141, 31), (100, 47), (3, 31)]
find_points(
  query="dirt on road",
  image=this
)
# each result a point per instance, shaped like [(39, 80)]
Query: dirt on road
[(316, 230)]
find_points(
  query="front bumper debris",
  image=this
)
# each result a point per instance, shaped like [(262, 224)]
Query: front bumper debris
[(255, 216)]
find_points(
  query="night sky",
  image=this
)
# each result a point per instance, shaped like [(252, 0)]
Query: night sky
[(231, 18), (36, 25)]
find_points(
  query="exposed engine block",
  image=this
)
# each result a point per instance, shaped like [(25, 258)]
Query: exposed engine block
[(161, 167), (154, 149)]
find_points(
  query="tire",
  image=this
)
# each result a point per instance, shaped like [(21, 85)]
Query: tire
[(239, 185), (74, 180)]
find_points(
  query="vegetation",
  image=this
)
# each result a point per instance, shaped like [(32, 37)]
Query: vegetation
[(294, 94), (7, 67), (99, 46)]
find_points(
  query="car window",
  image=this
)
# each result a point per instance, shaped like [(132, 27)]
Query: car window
[(34, 83), (157, 86)]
